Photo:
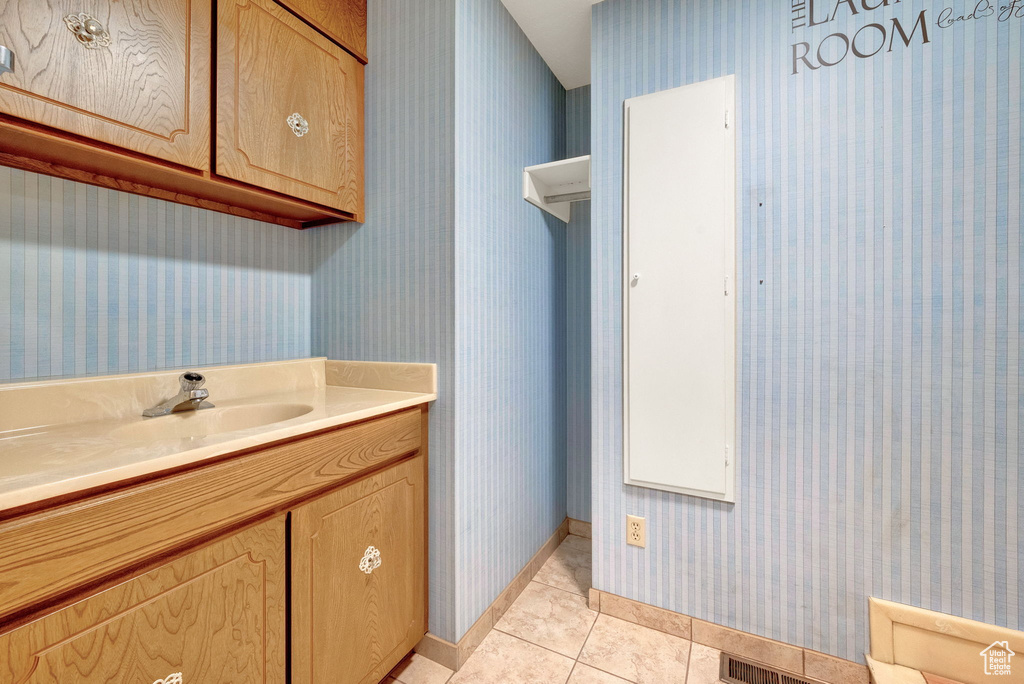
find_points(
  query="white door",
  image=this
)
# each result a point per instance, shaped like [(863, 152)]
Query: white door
[(679, 259)]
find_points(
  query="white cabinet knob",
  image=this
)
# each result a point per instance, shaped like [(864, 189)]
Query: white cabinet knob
[(370, 560), (175, 678), (298, 124)]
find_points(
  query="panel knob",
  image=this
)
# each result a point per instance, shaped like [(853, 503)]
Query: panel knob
[(88, 30), (370, 560)]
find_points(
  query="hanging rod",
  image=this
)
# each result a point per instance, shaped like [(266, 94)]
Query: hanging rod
[(568, 197)]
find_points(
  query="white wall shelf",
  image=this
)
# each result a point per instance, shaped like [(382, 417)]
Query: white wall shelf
[(556, 185)]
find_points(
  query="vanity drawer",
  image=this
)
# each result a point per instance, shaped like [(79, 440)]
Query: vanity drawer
[(359, 577), (214, 615)]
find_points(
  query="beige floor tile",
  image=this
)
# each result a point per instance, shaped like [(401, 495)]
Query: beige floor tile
[(553, 618), (417, 669), (636, 653), (569, 567), (584, 674), (705, 665), (504, 659)]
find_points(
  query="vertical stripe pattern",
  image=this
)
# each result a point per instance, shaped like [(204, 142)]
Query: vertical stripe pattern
[(880, 388), (96, 281), (510, 476), (384, 290), (577, 305)]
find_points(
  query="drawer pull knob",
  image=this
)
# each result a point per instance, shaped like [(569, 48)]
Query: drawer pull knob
[(299, 125), (171, 679), (370, 561), (88, 30)]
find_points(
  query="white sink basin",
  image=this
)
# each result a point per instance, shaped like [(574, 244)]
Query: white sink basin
[(194, 424)]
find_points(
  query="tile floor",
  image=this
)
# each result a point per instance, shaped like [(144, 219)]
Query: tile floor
[(550, 636)]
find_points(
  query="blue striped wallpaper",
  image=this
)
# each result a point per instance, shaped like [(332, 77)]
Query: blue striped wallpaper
[(880, 372), (95, 281), (577, 314), (384, 290), (510, 475), (453, 267)]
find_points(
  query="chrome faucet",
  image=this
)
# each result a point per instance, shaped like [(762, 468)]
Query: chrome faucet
[(191, 397)]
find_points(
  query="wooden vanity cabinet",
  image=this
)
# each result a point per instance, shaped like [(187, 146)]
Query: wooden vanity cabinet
[(154, 578), (289, 106), (123, 95), (359, 579), (135, 74), (216, 614)]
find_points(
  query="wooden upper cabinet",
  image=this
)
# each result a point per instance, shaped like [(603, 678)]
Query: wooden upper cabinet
[(342, 20), (214, 615), (359, 578), (134, 73), (289, 107)]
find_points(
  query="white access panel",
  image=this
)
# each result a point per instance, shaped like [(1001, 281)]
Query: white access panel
[(679, 267)]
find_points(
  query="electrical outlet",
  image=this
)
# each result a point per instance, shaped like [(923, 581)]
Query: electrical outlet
[(636, 531)]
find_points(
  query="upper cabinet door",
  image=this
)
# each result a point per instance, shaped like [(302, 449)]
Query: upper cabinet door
[(342, 20), (135, 73), (289, 107)]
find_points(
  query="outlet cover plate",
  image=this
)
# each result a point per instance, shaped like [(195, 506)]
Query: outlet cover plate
[(636, 531)]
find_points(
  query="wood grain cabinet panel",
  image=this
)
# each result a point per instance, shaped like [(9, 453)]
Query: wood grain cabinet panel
[(356, 614), (141, 82), (214, 615), (46, 555), (342, 20), (272, 67)]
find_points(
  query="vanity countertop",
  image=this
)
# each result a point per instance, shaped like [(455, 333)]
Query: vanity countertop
[(63, 437)]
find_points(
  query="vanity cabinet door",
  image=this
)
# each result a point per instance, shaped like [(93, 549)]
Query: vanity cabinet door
[(289, 107), (134, 74), (359, 578), (214, 615)]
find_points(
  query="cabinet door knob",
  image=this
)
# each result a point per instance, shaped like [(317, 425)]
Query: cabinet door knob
[(175, 678), (370, 560), (6, 60), (299, 125), (88, 30)]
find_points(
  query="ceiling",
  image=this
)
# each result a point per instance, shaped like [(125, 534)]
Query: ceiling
[(560, 30)]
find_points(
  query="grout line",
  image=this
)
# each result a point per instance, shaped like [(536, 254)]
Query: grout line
[(589, 632), (595, 666), (562, 588), (689, 657), (527, 641), (591, 665)]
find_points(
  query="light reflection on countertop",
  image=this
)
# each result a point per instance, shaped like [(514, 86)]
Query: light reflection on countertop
[(43, 462)]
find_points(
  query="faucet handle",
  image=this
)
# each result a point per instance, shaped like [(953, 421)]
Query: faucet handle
[(191, 380)]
